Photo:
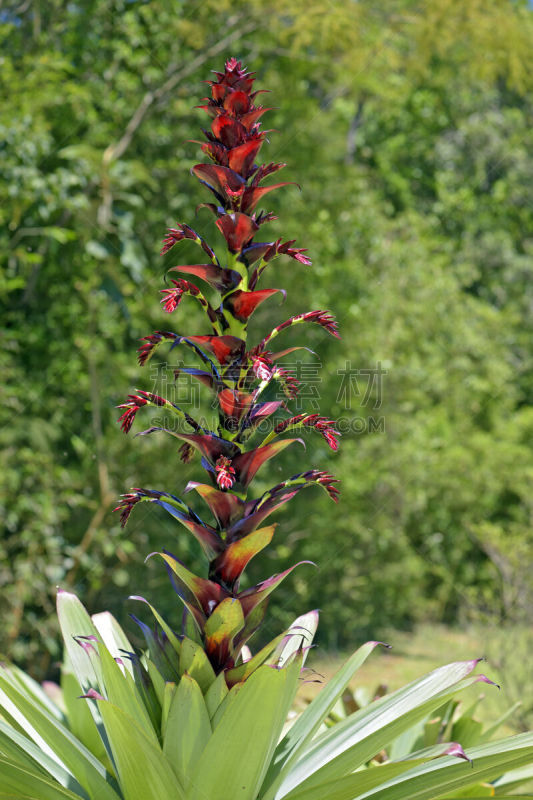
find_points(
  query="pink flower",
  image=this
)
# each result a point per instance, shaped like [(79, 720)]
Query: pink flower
[(262, 368), (225, 473), (137, 401), (171, 299)]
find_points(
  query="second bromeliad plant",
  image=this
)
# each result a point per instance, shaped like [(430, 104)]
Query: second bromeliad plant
[(240, 377)]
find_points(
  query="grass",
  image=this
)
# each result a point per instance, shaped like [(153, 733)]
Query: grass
[(416, 653)]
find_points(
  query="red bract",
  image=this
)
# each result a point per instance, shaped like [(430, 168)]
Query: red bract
[(237, 229), (249, 387), (243, 304), (220, 279), (241, 158), (234, 404)]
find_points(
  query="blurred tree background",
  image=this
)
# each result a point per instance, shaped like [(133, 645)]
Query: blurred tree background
[(409, 127)]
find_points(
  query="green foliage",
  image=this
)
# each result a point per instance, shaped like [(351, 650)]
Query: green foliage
[(148, 738), (452, 722), (410, 128)]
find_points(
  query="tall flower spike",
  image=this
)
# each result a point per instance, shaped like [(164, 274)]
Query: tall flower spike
[(236, 373)]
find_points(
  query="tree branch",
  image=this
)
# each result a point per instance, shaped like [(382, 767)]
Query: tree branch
[(355, 124), (115, 151)]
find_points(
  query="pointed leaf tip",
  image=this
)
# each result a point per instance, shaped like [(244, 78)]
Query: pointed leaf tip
[(472, 663), (484, 679), (457, 751), (91, 694)]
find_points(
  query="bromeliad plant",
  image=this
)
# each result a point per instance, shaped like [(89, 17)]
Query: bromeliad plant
[(249, 385), (196, 716)]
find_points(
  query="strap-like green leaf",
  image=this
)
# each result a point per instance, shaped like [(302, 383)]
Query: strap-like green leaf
[(57, 741), (489, 732), (243, 671), (168, 694), (173, 639), (352, 787), (234, 762), (362, 781), (216, 694), (311, 719), (187, 730), (355, 740), (194, 661), (80, 720), (29, 687), (20, 783), (513, 779), (158, 682), (143, 770), (443, 775), (477, 790), (20, 750), (120, 689), (74, 622), (114, 638)]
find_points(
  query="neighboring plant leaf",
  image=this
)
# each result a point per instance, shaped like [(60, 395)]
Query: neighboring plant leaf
[(440, 776), (355, 740)]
